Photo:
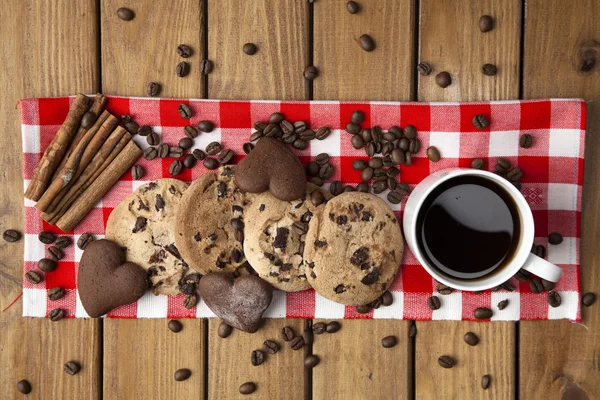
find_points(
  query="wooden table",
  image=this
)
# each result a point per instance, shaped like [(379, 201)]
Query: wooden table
[(60, 47)]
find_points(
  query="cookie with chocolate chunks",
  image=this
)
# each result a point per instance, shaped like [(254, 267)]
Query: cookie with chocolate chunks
[(209, 225), (272, 166), (105, 280), (353, 248), (274, 237), (142, 224)]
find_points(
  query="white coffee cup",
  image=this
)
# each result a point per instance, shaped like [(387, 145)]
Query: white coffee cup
[(522, 256)]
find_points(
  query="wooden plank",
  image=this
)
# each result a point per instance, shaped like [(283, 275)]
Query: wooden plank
[(348, 72), (134, 53), (143, 355), (559, 359), (40, 58), (450, 40), (144, 49), (279, 377), (279, 30), (354, 364)]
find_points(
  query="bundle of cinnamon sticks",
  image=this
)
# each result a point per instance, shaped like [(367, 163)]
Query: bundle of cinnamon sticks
[(88, 155)]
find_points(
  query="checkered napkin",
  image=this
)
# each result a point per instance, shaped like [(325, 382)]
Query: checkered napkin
[(551, 183)]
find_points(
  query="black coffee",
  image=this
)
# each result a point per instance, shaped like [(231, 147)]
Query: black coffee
[(468, 227)]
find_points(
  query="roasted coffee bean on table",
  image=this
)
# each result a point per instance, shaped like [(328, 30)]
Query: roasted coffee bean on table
[(247, 388), (366, 42), (311, 72), (213, 148), (362, 187), (182, 374), (144, 130), (525, 141), (297, 343), (555, 238), (11, 235), (72, 367), (489, 69), (175, 152), (471, 339), (357, 117), (24, 386), (424, 68), (480, 121), (514, 174), (433, 303), (446, 362), (317, 198), (185, 143), (322, 133), (348, 188), (175, 326), (300, 144), (433, 154), (152, 139), (588, 299), (287, 333), (88, 120), (206, 66), (199, 154), (554, 299), (56, 293), (486, 23), (257, 357), (47, 265), (398, 156), (125, 14), (389, 341), (247, 147), (312, 169), (548, 285), (184, 110), (311, 361), (336, 188), (84, 240), (56, 315), (357, 142), (319, 328), (363, 309), (249, 49), (535, 284), (503, 304), (224, 330), (375, 162), (137, 172), (270, 346), (443, 289), (190, 300), (46, 237), (540, 251), (322, 158), (485, 382), (183, 68), (503, 163), (353, 128), (54, 253), (333, 327), (478, 163), (225, 156), (152, 89), (379, 186), (184, 51), (189, 161), (132, 127), (175, 168), (326, 171), (163, 150), (483, 313), (387, 299), (33, 277), (443, 79), (352, 7), (315, 180)]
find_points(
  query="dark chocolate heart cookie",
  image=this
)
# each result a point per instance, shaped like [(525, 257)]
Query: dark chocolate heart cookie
[(106, 281), (272, 166), (240, 303)]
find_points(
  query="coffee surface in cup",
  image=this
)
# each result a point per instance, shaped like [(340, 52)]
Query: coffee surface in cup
[(468, 227)]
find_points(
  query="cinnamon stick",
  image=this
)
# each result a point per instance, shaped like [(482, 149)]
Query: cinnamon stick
[(57, 148), (97, 108), (82, 155), (109, 150), (105, 181)]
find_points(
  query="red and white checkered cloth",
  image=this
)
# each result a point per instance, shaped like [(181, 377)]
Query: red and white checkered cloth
[(551, 183)]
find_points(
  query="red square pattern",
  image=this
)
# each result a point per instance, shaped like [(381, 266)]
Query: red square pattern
[(535, 115), (53, 111)]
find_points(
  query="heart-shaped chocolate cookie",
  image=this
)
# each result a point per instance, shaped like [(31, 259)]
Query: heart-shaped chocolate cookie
[(239, 303), (272, 166), (106, 281)]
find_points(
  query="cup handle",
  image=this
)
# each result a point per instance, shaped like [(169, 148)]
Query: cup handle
[(542, 268)]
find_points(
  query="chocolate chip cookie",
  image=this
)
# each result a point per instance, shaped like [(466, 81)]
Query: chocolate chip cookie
[(142, 225), (353, 248), (209, 226), (274, 237)]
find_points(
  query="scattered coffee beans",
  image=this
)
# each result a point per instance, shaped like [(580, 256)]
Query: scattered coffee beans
[(367, 43), (199, 154), (11, 235), (311, 72), (311, 361), (247, 388), (362, 187), (446, 362), (503, 304), (46, 237), (485, 382), (297, 343), (319, 328), (125, 14), (433, 303), (152, 89), (175, 326), (536, 286), (190, 300), (56, 315), (224, 330), (152, 139), (185, 143), (247, 147), (175, 168), (249, 48), (206, 66), (182, 374), (389, 341), (363, 309), (478, 163), (483, 313), (270, 346), (554, 299), (317, 198), (548, 285), (47, 265), (213, 148), (443, 79), (486, 23), (56, 293), (588, 299), (443, 289), (514, 174), (226, 156), (72, 367), (184, 51), (471, 339), (433, 154), (54, 253), (489, 69), (137, 172), (257, 357), (189, 161), (480, 121), (24, 386), (424, 68), (287, 333), (182, 70), (33, 277), (525, 141), (333, 327), (84, 240), (184, 110), (352, 7), (555, 238), (132, 127)]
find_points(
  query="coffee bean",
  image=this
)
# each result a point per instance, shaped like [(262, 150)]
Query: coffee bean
[(352, 128), (485, 382), (270, 346), (444, 290), (224, 330), (306, 135), (443, 79), (72, 367), (359, 165), (182, 70), (226, 156), (24, 386), (403, 144), (357, 117), (389, 341), (483, 313), (175, 168), (199, 154), (311, 361), (503, 163), (446, 362), (144, 130), (412, 331), (471, 339), (352, 7), (370, 149), (424, 68), (322, 133), (367, 174), (503, 304), (336, 188), (548, 285), (486, 23), (308, 336), (522, 275), (189, 161), (387, 299), (367, 43), (257, 357), (317, 198), (554, 299), (206, 66), (375, 162), (311, 72), (152, 88), (54, 253), (47, 265), (247, 147), (213, 148), (480, 121), (366, 135), (55, 293), (249, 49), (190, 301), (333, 327), (478, 163), (276, 118), (536, 286), (174, 151), (152, 139), (433, 153), (312, 169), (348, 188), (326, 171), (394, 197), (363, 309), (297, 343), (362, 187), (322, 158), (398, 157), (315, 180), (182, 374), (588, 299), (137, 172), (489, 69), (11, 235), (391, 183), (163, 150), (184, 110), (33, 277), (287, 333), (525, 141), (379, 186), (514, 174), (389, 136), (185, 143), (376, 133), (125, 14), (88, 120), (84, 240), (555, 238), (287, 128), (56, 315), (175, 326), (125, 118), (247, 388), (300, 144), (46, 237), (434, 303), (319, 328), (540, 251)]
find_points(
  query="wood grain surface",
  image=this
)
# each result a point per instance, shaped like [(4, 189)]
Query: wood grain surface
[(278, 28), (39, 58), (145, 49), (346, 71), (559, 359), (450, 40)]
